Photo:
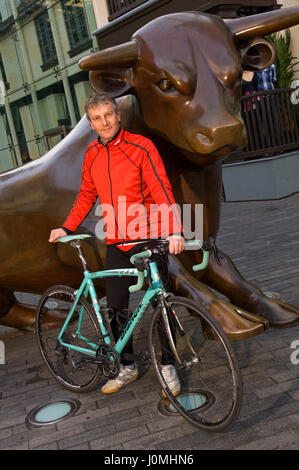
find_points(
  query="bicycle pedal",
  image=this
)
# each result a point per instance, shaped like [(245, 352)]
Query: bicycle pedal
[(145, 358)]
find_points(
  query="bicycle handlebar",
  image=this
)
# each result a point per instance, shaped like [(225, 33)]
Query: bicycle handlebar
[(189, 245), (162, 247)]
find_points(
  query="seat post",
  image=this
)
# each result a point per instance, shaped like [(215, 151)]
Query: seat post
[(77, 244)]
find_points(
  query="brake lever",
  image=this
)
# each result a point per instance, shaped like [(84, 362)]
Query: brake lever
[(148, 275)]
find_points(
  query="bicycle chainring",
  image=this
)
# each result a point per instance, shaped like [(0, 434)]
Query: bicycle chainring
[(108, 361)]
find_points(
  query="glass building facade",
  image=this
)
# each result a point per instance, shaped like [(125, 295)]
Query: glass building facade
[(42, 90)]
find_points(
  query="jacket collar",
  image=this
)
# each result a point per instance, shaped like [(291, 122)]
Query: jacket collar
[(115, 140)]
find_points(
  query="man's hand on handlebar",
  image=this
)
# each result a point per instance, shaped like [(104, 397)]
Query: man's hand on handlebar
[(56, 233), (176, 244)]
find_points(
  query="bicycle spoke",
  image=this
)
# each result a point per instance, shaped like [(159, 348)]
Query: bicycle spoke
[(210, 380), (82, 331)]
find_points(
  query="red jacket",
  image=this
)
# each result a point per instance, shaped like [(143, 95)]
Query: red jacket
[(125, 172)]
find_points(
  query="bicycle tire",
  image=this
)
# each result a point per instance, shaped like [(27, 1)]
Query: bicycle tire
[(211, 383), (61, 361)]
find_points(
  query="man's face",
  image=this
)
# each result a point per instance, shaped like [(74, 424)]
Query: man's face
[(105, 121)]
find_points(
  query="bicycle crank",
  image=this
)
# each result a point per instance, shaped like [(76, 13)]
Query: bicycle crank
[(108, 361)]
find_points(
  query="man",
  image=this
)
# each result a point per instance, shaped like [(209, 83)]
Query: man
[(116, 165), (26, 158), (266, 78)]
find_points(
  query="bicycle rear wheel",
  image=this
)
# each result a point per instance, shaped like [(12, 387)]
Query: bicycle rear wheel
[(69, 367), (211, 385)]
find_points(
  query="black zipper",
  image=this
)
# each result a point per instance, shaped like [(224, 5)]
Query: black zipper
[(111, 192)]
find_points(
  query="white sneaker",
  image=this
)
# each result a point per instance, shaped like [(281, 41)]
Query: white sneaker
[(124, 377), (171, 378)]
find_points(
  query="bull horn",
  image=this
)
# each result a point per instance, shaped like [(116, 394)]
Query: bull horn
[(123, 55), (258, 54), (264, 23)]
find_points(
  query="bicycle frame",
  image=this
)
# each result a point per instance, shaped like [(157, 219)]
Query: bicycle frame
[(87, 287)]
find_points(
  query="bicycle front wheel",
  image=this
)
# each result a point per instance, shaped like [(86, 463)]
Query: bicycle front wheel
[(210, 394), (71, 368)]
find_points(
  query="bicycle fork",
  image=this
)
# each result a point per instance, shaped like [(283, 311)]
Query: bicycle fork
[(166, 312)]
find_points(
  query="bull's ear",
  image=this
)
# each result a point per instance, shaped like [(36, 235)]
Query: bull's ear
[(111, 69), (115, 82), (257, 54)]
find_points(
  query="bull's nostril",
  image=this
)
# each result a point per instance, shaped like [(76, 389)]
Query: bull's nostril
[(203, 139)]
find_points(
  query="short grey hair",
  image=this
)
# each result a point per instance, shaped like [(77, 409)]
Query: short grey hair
[(98, 98)]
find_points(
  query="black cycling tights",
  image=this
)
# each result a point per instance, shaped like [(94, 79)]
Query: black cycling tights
[(117, 288)]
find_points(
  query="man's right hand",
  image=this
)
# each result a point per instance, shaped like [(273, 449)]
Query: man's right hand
[(56, 233)]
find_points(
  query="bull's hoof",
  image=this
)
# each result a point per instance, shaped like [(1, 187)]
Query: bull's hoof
[(278, 313), (22, 317), (54, 319), (236, 323)]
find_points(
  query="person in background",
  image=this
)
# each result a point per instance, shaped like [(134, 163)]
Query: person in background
[(249, 86), (26, 158), (266, 78)]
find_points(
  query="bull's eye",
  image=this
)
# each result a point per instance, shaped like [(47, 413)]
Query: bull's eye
[(165, 85)]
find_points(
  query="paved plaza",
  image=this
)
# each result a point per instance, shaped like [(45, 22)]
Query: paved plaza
[(262, 239)]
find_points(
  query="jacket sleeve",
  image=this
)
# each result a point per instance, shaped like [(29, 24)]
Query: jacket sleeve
[(84, 201), (154, 174)]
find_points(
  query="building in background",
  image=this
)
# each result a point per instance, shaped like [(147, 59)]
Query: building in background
[(42, 89), (294, 32), (117, 20)]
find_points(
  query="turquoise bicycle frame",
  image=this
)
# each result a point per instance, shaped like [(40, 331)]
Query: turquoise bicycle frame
[(87, 287)]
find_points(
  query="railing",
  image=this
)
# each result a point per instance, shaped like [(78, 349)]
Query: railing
[(27, 7), (272, 123), (6, 25), (117, 8)]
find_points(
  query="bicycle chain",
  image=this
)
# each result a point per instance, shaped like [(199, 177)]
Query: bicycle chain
[(109, 361)]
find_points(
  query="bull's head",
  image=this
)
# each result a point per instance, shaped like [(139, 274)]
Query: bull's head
[(185, 70)]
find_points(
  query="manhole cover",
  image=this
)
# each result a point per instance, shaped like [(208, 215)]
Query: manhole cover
[(52, 412), (190, 400)]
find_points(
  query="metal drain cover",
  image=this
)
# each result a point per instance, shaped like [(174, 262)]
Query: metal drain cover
[(52, 412), (190, 400)]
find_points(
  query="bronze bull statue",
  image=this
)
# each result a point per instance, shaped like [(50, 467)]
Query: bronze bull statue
[(181, 75)]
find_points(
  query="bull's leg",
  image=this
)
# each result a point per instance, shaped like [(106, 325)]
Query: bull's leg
[(225, 278), (22, 316), (7, 300), (14, 314), (236, 322)]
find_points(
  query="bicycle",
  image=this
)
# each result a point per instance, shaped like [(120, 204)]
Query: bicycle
[(81, 350)]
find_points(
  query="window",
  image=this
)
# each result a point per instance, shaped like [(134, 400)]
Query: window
[(2, 69), (46, 41), (5, 10), (118, 8), (76, 26)]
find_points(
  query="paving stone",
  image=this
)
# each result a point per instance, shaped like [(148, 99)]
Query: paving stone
[(53, 436), (5, 433), (84, 446), (276, 441), (86, 436), (119, 419), (277, 389), (50, 446), (19, 441), (153, 440), (119, 438)]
